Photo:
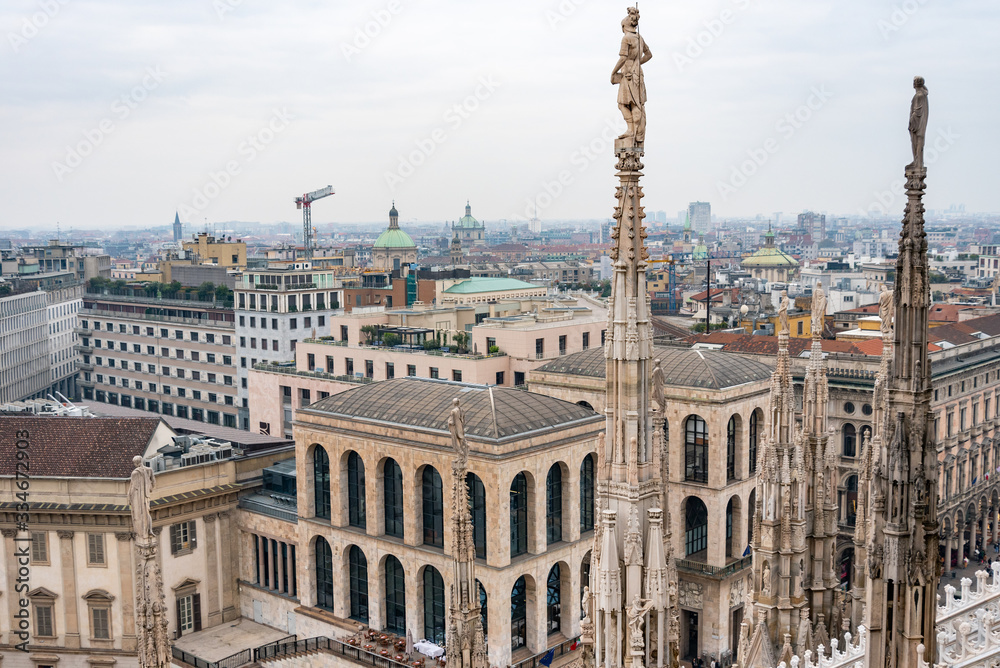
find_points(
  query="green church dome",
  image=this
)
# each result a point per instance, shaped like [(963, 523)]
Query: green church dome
[(394, 238)]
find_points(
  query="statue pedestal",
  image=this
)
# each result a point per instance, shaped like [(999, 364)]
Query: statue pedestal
[(628, 144)]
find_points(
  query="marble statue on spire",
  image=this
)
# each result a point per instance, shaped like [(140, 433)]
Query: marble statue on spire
[(627, 75), (153, 641), (918, 123)]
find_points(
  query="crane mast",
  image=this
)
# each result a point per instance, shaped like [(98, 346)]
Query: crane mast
[(305, 203)]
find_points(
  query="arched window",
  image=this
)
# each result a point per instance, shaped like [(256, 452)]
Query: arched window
[(695, 526), (484, 617), (477, 508), (324, 574), (433, 508), (587, 494), (393, 498), (850, 440), (356, 515), (754, 427), (751, 511), (518, 515), (518, 615), (851, 498), (395, 596), (552, 600), (731, 449), (695, 449), (553, 505), (433, 606), (731, 509), (358, 584), (321, 482)]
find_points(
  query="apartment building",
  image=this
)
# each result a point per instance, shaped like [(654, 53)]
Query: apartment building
[(24, 344), (63, 307), (174, 357), (276, 308), (85, 263)]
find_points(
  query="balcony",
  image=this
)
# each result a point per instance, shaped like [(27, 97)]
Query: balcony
[(262, 505), (718, 572), (86, 350), (292, 371), (84, 366)]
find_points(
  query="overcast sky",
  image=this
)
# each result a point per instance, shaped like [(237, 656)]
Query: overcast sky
[(117, 114)]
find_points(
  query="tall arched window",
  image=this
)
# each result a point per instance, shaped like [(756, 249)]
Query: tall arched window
[(553, 505), (433, 508), (587, 494), (751, 511), (518, 615), (695, 449), (850, 440), (356, 514), (433, 606), (518, 515), (754, 427), (484, 616), (730, 520), (731, 449), (395, 596), (321, 482), (851, 498), (695, 526), (552, 600), (324, 574), (358, 584), (477, 508), (393, 498)]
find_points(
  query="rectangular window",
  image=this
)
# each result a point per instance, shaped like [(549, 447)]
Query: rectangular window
[(95, 549), (390, 370), (43, 621), (39, 547), (369, 369), (100, 623), (305, 397), (343, 332), (185, 608), (183, 537), (586, 340), (349, 368), (311, 361), (499, 377), (434, 372), (456, 375), (411, 369), (562, 344), (293, 323), (539, 348)]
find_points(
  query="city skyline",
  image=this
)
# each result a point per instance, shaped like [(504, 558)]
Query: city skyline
[(230, 111)]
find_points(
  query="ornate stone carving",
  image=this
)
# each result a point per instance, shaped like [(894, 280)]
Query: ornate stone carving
[(65, 534), (690, 595)]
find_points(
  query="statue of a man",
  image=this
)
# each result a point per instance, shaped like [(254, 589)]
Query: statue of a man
[(885, 309), (456, 425), (783, 313), (818, 309), (585, 602), (658, 385), (627, 75), (635, 613), (918, 123), (140, 487)]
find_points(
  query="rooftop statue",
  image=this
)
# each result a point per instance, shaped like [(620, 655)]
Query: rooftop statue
[(627, 75)]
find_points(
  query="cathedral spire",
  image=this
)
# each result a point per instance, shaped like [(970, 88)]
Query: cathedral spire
[(902, 553)]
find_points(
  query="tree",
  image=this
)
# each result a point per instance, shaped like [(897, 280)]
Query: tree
[(462, 341), (5, 290), (606, 287), (171, 289), (223, 293), (206, 291), (389, 339), (369, 332)]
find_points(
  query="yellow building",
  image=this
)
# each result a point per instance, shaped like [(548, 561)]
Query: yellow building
[(799, 324), (869, 327), (222, 252)]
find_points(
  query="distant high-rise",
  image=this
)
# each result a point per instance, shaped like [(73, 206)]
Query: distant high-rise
[(177, 227), (700, 215), (814, 224)]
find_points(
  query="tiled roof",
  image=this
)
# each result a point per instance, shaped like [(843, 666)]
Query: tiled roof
[(682, 367), (490, 412), (88, 447)]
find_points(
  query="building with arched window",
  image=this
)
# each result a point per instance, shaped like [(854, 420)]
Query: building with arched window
[(716, 405), (373, 526)]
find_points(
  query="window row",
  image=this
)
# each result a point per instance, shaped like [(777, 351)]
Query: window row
[(164, 333), (696, 446), (432, 501), (431, 597), (274, 565), (165, 408)]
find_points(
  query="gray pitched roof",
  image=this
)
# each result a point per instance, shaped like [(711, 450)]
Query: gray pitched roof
[(682, 367), (490, 412)]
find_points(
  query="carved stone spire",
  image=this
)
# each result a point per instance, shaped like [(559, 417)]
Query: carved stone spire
[(466, 644), (631, 600), (903, 531)]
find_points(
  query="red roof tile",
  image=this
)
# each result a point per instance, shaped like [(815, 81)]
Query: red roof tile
[(86, 447)]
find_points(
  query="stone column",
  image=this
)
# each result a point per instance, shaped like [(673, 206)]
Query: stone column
[(125, 571), (972, 538), (947, 556), (996, 525), (212, 556), (570, 600), (376, 594), (986, 527), (498, 642), (571, 504), (535, 603), (229, 573), (71, 606), (10, 565), (536, 512), (412, 519)]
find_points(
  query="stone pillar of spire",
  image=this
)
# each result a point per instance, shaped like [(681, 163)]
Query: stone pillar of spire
[(466, 645), (902, 554)]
